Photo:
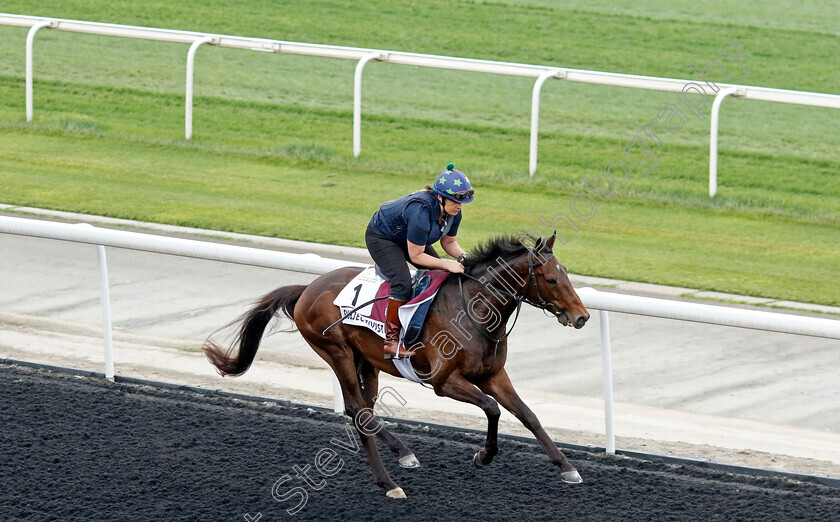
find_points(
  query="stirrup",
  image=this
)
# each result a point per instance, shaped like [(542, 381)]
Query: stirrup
[(401, 353)]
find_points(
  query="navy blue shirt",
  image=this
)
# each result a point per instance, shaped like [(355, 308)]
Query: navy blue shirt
[(414, 218)]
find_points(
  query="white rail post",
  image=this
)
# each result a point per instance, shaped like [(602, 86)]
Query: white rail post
[(106, 313), (105, 303), (535, 116), (30, 39), (188, 117), (713, 139), (338, 398), (608, 380), (357, 102)]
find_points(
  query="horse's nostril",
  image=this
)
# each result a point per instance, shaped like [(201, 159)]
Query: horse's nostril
[(581, 321)]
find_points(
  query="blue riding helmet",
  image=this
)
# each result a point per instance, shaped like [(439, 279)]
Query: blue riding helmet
[(454, 184)]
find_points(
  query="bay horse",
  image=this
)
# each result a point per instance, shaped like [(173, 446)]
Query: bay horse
[(461, 352)]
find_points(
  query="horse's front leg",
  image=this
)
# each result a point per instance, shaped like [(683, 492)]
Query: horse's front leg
[(460, 389), (500, 387)]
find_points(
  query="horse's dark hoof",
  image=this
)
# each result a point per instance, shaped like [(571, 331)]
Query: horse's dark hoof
[(409, 461), (571, 477), (477, 460)]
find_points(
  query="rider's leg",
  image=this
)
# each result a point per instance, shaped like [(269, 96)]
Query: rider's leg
[(391, 260), (392, 331)]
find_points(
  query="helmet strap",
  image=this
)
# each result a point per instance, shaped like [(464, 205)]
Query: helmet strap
[(444, 216), (442, 201)]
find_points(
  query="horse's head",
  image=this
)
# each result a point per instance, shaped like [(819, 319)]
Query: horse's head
[(549, 286)]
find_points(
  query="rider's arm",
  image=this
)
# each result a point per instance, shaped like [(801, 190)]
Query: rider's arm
[(420, 257), (450, 246), (418, 222)]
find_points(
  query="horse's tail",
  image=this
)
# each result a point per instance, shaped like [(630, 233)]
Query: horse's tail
[(250, 332)]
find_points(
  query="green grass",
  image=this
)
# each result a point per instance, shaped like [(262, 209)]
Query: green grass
[(271, 152)]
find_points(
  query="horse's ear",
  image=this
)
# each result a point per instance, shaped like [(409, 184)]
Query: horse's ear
[(539, 244), (550, 242)]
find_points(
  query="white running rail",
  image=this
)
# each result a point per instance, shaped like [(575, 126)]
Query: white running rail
[(540, 72), (313, 264)]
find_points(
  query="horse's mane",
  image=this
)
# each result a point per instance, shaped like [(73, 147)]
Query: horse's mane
[(506, 247)]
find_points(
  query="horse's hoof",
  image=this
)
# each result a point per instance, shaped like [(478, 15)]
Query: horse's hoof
[(409, 461), (571, 477), (396, 493), (477, 460)]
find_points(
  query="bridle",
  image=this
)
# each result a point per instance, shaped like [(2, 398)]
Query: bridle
[(532, 278), (533, 262)]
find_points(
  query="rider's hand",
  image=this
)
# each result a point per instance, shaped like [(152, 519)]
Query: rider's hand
[(453, 266)]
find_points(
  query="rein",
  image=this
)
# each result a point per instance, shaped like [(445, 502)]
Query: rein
[(532, 280), (481, 330)]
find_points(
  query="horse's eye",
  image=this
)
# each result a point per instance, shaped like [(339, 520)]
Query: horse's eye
[(551, 281)]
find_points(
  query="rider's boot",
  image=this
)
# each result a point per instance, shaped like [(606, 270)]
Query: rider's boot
[(392, 331)]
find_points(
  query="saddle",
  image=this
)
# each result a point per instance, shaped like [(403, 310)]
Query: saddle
[(369, 285), (419, 283)]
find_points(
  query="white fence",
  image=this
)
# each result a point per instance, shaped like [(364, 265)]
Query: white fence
[(540, 72), (313, 264)]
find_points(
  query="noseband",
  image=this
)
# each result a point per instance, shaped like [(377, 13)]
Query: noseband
[(533, 262)]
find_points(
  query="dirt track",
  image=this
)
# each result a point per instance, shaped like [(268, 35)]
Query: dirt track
[(78, 448)]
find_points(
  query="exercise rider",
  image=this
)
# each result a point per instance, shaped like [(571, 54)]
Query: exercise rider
[(405, 230)]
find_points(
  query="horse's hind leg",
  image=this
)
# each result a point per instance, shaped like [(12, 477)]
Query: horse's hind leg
[(460, 389), (340, 358), (500, 387), (370, 392)]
